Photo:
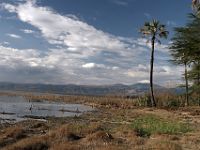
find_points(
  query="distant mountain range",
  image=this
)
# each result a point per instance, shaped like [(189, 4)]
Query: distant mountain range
[(71, 89)]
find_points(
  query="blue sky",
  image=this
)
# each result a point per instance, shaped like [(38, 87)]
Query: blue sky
[(85, 41)]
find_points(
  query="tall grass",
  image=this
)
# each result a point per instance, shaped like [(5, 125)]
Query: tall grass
[(164, 100)]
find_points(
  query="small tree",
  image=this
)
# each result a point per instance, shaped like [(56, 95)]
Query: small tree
[(153, 30), (180, 51), (185, 50), (194, 42)]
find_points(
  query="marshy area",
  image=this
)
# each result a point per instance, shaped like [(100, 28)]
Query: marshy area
[(110, 123), (19, 108)]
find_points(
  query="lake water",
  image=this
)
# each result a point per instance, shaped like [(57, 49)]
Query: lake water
[(18, 109)]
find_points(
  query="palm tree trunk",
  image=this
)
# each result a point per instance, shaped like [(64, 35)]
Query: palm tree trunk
[(186, 86), (153, 102)]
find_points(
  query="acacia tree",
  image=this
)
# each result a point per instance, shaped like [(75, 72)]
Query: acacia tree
[(194, 40), (180, 51), (185, 50), (153, 30), (196, 7)]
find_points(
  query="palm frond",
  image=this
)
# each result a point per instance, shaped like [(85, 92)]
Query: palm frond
[(153, 29)]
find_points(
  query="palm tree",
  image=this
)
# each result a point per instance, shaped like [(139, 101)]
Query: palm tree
[(153, 30)]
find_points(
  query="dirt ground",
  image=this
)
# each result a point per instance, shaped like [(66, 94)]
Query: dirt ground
[(106, 128)]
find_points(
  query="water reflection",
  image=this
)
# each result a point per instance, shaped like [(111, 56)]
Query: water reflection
[(18, 108)]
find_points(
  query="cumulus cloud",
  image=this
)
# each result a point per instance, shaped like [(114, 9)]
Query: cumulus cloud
[(89, 65), (31, 65), (144, 81), (14, 36), (84, 54), (98, 66), (5, 43), (9, 7), (162, 74), (65, 30), (27, 31), (11, 57)]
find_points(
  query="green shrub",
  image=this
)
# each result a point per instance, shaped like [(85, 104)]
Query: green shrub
[(149, 124), (174, 103)]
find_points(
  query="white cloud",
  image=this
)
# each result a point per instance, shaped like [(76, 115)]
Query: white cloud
[(158, 47), (135, 74), (9, 7), (27, 31), (5, 43), (11, 57), (66, 30), (84, 54), (89, 65), (144, 81), (14, 36), (162, 74), (99, 66)]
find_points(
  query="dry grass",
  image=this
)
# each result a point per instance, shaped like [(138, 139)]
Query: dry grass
[(164, 145), (11, 135), (33, 143), (165, 100), (109, 128)]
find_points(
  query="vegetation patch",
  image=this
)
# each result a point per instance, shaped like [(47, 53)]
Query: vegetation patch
[(147, 125)]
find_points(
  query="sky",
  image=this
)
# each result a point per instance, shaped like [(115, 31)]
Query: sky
[(88, 42)]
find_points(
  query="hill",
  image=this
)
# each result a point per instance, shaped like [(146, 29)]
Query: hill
[(71, 89)]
